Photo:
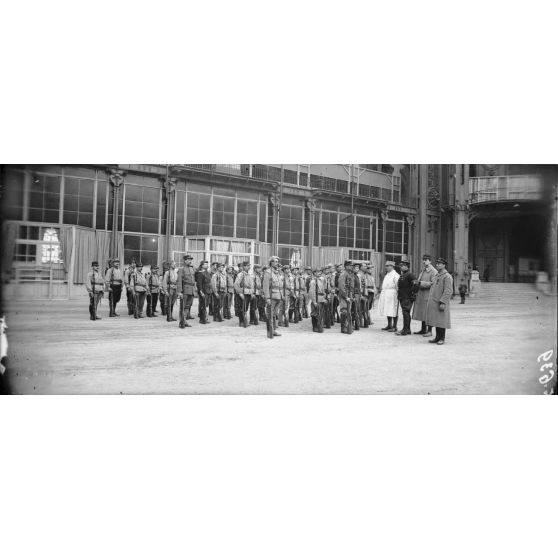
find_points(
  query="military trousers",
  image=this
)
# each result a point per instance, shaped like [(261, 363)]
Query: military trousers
[(140, 301), (406, 305), (170, 301), (114, 298), (272, 310), (94, 300)]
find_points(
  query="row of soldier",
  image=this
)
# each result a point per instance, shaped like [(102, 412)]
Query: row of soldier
[(278, 296)]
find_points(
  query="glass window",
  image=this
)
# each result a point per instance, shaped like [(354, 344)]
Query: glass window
[(346, 230), (179, 214), (247, 219), (329, 228), (290, 225), (223, 216), (263, 221), (78, 201), (142, 209), (394, 237), (51, 252), (44, 198), (247, 195), (197, 217), (120, 208), (101, 204), (12, 199), (362, 232), (143, 248)]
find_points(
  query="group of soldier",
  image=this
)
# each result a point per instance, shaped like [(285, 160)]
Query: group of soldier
[(280, 295)]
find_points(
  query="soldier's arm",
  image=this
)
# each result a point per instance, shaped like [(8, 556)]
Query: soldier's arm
[(237, 287), (266, 285), (448, 289)]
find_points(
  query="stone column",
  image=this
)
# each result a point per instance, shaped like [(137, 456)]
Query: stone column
[(274, 201), (384, 216), (116, 180), (311, 206), (410, 228), (461, 222), (170, 190)]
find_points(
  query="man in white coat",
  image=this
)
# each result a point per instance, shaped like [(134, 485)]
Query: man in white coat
[(388, 297)]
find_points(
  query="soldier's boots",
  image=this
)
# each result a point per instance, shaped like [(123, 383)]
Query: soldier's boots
[(389, 325), (291, 316), (394, 328), (315, 324), (344, 328)]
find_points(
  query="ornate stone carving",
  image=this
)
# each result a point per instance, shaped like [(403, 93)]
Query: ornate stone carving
[(170, 184), (116, 178), (274, 200), (384, 214), (410, 220), (433, 198), (311, 205)]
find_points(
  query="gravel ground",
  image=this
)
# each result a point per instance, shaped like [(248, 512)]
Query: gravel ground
[(491, 349)]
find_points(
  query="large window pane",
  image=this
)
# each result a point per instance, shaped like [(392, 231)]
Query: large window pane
[(290, 225), (12, 200), (329, 228)]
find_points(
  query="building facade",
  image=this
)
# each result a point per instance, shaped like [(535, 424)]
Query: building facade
[(58, 218)]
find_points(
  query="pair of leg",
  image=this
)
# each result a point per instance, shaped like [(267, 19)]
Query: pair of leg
[(391, 325), (202, 308), (406, 305), (253, 306), (271, 310), (140, 301), (114, 298), (94, 299), (440, 338), (171, 300), (217, 307), (131, 301)]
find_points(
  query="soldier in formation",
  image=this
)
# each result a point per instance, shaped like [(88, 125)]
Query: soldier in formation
[(95, 285), (114, 280), (185, 288)]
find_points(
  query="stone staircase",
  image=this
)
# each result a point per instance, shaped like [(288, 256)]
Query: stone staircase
[(507, 292)]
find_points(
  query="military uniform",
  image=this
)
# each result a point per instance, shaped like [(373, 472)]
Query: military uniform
[(346, 286), (138, 283), (462, 292), (317, 292), (162, 296), (357, 299), (153, 288), (203, 282), (244, 289), (114, 278), (169, 287), (405, 295), (438, 306), (307, 277), (369, 291), (259, 296), (130, 298), (95, 286), (219, 288), (185, 288), (229, 295), (422, 291), (274, 292)]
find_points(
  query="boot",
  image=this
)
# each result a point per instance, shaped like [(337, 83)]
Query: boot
[(344, 324), (428, 332), (314, 325), (388, 327), (422, 329), (394, 328)]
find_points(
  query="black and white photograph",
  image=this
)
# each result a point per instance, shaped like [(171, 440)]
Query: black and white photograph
[(302, 355), (200, 275)]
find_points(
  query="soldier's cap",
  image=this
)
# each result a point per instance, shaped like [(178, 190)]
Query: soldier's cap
[(204, 262), (245, 263), (94, 264), (187, 257), (356, 264), (389, 262), (139, 264), (348, 262), (405, 262), (257, 266), (442, 260), (220, 264), (273, 258), (427, 257), (285, 267), (308, 268), (330, 265), (154, 267)]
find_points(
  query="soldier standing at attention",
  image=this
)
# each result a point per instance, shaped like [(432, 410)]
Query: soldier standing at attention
[(212, 272), (230, 293), (162, 296), (259, 299), (369, 288), (388, 297), (405, 295), (306, 277), (274, 291), (154, 287), (357, 295), (185, 287), (203, 282), (422, 288), (438, 305), (138, 282), (346, 285), (317, 293), (95, 286), (169, 287), (244, 288), (338, 271), (219, 288), (129, 293), (291, 293), (114, 279)]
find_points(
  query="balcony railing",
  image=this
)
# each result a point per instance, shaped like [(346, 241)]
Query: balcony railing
[(490, 189), (366, 183)]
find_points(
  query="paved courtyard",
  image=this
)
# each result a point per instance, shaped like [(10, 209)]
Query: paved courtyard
[(492, 348)]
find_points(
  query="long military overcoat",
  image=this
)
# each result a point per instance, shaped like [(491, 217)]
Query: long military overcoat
[(425, 279), (441, 291)]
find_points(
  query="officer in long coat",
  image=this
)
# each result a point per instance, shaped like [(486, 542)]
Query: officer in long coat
[(219, 287), (138, 282), (185, 288), (422, 289), (388, 303), (346, 286), (95, 286), (274, 292), (438, 306), (203, 282), (229, 296), (169, 288), (244, 289), (153, 288)]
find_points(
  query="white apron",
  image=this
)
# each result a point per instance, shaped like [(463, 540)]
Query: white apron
[(388, 297)]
